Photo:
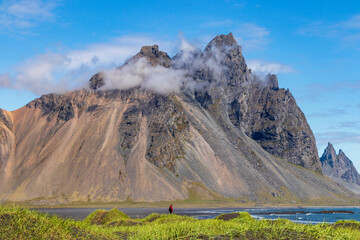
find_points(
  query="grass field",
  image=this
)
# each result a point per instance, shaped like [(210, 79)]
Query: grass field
[(21, 223)]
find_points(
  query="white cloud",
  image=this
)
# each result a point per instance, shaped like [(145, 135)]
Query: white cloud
[(347, 32), (164, 80), (337, 137), (21, 14), (352, 23), (353, 125), (142, 74), (260, 67), (38, 73), (59, 72), (5, 80), (329, 113)]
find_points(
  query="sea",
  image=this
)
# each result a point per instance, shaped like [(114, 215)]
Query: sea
[(305, 215)]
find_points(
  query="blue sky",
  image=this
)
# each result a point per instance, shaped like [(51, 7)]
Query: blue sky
[(313, 47)]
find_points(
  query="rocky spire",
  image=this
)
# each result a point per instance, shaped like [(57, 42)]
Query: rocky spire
[(222, 40), (338, 165), (273, 81), (329, 156)]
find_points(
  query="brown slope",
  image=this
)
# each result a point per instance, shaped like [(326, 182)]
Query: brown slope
[(81, 158)]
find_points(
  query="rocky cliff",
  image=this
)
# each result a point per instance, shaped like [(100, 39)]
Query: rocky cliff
[(223, 132), (340, 168), (266, 113)]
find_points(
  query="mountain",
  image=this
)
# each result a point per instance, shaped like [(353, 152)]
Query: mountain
[(198, 125), (340, 168)]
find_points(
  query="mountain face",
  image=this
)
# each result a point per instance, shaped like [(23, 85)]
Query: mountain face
[(222, 132), (339, 167)]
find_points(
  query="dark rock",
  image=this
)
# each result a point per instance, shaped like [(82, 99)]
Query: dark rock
[(274, 194), (66, 111), (273, 119), (273, 81), (62, 107), (168, 126), (129, 130), (153, 55), (92, 108), (203, 98), (97, 81)]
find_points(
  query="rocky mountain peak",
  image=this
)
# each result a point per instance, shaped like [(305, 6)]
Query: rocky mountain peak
[(222, 40), (154, 56), (97, 81), (330, 147), (273, 81), (329, 152), (341, 153)]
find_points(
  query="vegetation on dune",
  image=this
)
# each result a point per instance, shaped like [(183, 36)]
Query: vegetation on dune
[(18, 223)]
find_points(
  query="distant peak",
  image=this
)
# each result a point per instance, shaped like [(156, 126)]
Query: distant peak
[(329, 153), (221, 41), (330, 146)]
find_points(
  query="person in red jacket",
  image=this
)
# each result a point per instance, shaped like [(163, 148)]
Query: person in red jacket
[(171, 210)]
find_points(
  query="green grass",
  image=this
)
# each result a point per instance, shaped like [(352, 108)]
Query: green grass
[(20, 223)]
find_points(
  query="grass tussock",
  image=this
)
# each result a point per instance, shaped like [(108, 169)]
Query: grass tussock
[(18, 223)]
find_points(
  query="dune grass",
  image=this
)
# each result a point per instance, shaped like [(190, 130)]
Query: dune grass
[(19, 223)]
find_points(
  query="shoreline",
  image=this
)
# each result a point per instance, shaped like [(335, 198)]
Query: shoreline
[(188, 206), (210, 213)]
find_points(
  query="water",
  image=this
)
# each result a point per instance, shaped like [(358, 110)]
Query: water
[(311, 215)]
